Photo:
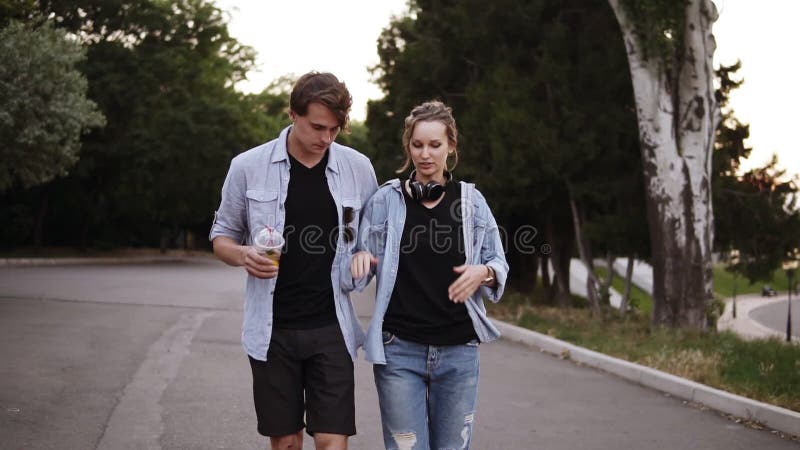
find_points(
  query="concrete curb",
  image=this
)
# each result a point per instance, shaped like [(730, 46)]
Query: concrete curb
[(173, 257), (29, 262), (774, 417)]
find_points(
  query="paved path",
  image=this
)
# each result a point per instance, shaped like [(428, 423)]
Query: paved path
[(759, 317), (148, 357)]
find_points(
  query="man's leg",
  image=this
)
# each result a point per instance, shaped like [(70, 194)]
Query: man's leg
[(288, 442), (278, 392), (329, 388), (328, 441)]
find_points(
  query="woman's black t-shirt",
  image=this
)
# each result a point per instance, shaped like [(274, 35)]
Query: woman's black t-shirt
[(431, 245)]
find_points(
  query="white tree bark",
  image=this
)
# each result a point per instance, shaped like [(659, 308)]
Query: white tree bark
[(677, 116)]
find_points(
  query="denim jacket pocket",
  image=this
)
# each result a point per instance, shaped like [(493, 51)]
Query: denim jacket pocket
[(388, 338), (262, 208), (373, 238)]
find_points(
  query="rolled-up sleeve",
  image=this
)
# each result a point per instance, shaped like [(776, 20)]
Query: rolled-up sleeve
[(493, 255), (230, 219), (368, 241)]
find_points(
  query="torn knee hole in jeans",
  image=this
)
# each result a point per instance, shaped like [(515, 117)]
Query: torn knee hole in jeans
[(405, 441), (468, 419)]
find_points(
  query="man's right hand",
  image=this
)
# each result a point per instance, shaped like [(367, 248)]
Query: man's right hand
[(362, 261), (259, 265)]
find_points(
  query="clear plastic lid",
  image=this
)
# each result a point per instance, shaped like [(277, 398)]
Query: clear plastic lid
[(268, 237)]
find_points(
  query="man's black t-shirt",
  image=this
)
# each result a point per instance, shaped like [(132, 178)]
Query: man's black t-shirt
[(303, 292), (431, 245)]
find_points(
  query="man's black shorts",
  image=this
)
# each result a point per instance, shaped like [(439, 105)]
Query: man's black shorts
[(306, 371)]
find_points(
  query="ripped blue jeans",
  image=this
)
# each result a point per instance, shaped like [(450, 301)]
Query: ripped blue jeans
[(427, 394)]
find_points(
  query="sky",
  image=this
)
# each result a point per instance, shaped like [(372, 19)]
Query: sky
[(756, 32)]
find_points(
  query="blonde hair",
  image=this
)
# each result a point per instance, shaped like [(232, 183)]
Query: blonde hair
[(431, 111)]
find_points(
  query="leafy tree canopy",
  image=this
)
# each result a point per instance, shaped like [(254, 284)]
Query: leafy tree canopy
[(44, 108)]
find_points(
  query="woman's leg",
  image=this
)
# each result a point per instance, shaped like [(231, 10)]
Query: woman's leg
[(402, 394), (453, 393)]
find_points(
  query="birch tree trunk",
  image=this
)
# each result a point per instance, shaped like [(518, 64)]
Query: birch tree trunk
[(677, 115), (586, 259)]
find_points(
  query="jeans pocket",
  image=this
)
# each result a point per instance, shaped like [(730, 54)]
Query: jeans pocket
[(387, 337), (473, 343)]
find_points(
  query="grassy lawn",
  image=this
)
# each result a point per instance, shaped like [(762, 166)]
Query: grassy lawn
[(723, 286), (724, 281), (763, 370), (640, 299)]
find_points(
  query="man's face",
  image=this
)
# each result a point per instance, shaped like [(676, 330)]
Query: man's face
[(313, 133)]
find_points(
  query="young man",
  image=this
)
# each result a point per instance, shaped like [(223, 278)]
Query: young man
[(300, 329)]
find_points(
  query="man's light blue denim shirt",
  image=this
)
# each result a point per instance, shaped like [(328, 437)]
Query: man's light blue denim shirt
[(380, 233), (253, 197)]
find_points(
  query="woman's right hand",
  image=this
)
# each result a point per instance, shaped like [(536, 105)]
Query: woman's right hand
[(362, 261)]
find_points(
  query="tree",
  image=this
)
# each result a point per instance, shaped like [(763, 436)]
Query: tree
[(755, 212), (544, 109), (163, 74), (670, 49), (44, 108)]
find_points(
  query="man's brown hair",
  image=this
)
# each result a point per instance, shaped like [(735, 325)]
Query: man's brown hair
[(323, 88)]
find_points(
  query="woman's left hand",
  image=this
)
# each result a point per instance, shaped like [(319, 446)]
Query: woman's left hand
[(465, 285)]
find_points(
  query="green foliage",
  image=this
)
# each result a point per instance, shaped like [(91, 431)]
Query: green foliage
[(755, 212), (714, 309), (177, 120), (18, 10), (356, 138), (724, 280), (43, 105), (542, 96), (163, 74), (659, 26), (640, 300)]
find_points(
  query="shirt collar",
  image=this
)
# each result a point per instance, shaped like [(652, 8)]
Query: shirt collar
[(281, 153)]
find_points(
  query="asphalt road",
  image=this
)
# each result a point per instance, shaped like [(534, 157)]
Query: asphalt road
[(775, 315), (148, 357)]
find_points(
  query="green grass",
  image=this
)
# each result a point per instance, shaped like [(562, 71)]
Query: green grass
[(640, 299), (723, 286), (763, 370), (724, 281)]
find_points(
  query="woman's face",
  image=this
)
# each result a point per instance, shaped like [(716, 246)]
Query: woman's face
[(429, 148)]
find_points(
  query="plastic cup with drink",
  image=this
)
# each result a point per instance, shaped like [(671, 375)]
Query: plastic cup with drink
[(269, 242)]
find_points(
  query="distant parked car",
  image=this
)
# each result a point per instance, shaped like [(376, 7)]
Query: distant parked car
[(767, 291)]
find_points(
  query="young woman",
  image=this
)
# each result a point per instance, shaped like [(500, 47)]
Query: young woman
[(435, 248)]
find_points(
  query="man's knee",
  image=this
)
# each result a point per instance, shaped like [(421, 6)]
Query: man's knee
[(287, 442), (328, 441)]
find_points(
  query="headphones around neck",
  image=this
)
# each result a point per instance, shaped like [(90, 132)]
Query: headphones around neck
[(428, 191)]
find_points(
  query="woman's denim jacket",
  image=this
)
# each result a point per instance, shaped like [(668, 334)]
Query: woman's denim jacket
[(380, 232)]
